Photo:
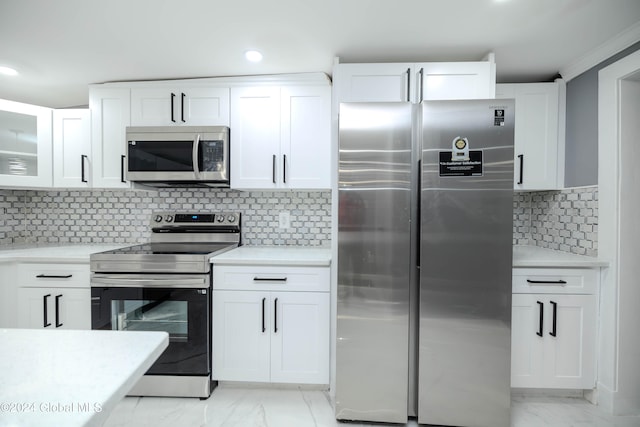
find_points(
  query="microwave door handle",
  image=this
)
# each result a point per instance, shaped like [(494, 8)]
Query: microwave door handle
[(194, 155)]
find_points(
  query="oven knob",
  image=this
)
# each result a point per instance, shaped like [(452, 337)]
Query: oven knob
[(158, 218), (220, 218), (231, 218), (168, 218)]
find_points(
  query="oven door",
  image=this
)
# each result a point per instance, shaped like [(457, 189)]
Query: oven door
[(133, 303), (157, 154)]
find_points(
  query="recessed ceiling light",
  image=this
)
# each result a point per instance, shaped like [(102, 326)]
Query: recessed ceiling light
[(253, 56), (7, 71)]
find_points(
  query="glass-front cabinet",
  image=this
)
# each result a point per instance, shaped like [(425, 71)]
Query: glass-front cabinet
[(25, 145)]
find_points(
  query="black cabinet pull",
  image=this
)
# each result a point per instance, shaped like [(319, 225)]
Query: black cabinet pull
[(122, 168), (521, 157), (269, 279), (284, 168), (173, 95), (58, 324), (264, 328), (408, 84), (554, 331), (46, 315), (275, 316), (82, 160), (182, 108), (54, 276), (541, 307), (548, 282)]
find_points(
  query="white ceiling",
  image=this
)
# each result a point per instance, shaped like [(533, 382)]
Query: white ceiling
[(61, 46)]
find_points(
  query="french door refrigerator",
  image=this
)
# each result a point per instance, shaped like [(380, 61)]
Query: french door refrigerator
[(424, 262)]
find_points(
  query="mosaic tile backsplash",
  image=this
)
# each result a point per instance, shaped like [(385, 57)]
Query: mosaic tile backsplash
[(121, 216), (564, 220)]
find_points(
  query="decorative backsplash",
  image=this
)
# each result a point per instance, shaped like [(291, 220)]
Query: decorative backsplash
[(122, 216), (564, 220)]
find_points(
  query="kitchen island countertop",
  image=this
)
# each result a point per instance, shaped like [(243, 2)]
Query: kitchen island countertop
[(534, 256), (70, 377), (275, 255)]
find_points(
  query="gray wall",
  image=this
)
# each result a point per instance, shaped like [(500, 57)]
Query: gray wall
[(581, 160)]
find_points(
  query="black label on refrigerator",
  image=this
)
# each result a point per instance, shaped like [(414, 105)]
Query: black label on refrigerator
[(471, 167), (498, 117)]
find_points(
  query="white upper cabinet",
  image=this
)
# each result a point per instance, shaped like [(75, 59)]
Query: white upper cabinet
[(539, 134), (374, 82), (305, 137), (110, 116), (280, 137), (72, 148), (25, 145), (415, 82), (173, 106), (255, 137), (456, 80)]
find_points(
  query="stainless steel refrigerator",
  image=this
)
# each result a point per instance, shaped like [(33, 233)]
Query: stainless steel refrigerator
[(424, 262)]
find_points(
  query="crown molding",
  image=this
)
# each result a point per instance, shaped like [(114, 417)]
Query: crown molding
[(603, 52)]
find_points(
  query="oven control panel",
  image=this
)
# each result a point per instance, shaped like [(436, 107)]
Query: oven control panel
[(195, 218)]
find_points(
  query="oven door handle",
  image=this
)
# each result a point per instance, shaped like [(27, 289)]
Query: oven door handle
[(113, 281)]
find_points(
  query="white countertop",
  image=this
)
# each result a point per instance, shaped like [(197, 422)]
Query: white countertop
[(275, 255), (533, 256), (54, 253), (70, 378)]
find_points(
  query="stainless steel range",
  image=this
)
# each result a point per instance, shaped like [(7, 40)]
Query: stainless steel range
[(166, 285)]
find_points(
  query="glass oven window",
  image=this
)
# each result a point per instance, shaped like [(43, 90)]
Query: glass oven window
[(184, 313), (152, 315)]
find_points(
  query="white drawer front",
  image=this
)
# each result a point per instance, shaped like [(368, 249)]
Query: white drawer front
[(555, 280), (54, 275), (265, 278)]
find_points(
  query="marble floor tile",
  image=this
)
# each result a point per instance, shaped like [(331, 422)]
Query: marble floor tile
[(244, 406)]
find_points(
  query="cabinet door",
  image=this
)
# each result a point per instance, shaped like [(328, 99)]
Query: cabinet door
[(300, 337), (527, 347), (71, 148), (25, 145), (54, 308), (110, 116), (456, 80), (241, 336), (570, 334), (154, 107), (206, 106), (306, 137), (255, 138), (374, 82), (536, 134), (180, 106)]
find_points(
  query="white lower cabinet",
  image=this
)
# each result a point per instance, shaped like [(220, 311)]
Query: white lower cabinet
[(270, 335), (54, 308), (553, 333), (54, 296)]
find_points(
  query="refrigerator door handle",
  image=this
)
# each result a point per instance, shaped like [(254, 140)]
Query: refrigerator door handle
[(541, 317), (408, 84), (421, 80)]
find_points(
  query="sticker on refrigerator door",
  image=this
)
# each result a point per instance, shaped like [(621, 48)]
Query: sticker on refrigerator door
[(450, 166), (498, 117)]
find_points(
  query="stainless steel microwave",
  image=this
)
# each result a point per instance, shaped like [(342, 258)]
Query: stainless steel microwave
[(180, 156)]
